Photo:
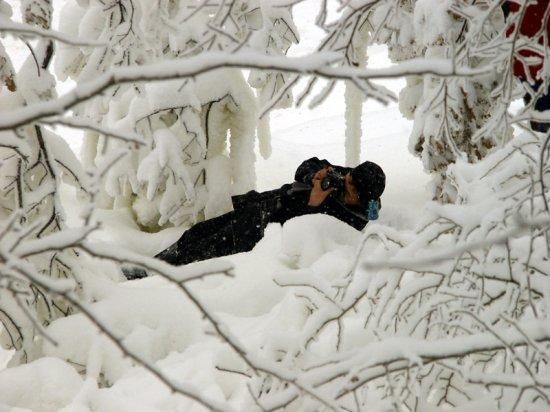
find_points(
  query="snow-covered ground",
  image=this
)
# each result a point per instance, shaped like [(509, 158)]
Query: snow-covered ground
[(159, 323)]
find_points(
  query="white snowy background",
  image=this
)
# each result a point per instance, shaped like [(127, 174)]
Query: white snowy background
[(264, 316), (158, 321)]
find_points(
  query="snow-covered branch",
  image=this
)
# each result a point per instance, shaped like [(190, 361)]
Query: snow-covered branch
[(397, 354), (444, 314), (317, 65), (67, 294), (434, 257), (26, 30), (84, 124)]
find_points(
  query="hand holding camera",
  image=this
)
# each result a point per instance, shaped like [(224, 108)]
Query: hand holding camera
[(333, 179), (318, 193)]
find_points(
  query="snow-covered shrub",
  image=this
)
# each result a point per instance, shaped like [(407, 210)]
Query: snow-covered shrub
[(451, 115), (454, 314), (480, 277), (482, 272), (33, 161), (210, 115)]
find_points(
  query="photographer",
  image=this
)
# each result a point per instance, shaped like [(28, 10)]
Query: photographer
[(350, 195)]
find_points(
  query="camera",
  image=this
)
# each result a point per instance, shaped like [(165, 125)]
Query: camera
[(333, 179)]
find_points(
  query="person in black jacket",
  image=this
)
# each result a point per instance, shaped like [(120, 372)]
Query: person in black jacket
[(351, 195)]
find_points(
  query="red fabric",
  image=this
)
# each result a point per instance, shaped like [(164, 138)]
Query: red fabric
[(530, 27)]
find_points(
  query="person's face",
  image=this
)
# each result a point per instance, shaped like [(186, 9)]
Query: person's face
[(351, 195)]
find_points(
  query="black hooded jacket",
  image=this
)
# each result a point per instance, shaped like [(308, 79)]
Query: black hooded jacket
[(291, 200), (240, 230)]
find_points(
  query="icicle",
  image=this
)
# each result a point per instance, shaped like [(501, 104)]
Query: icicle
[(354, 107), (88, 151), (264, 137), (218, 184), (242, 151)]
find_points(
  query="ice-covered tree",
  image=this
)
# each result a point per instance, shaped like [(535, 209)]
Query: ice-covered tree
[(33, 162), (454, 313), (199, 131), (451, 116)]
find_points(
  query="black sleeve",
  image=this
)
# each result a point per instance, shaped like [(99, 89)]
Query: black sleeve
[(348, 214), (241, 201), (252, 198), (308, 168)]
